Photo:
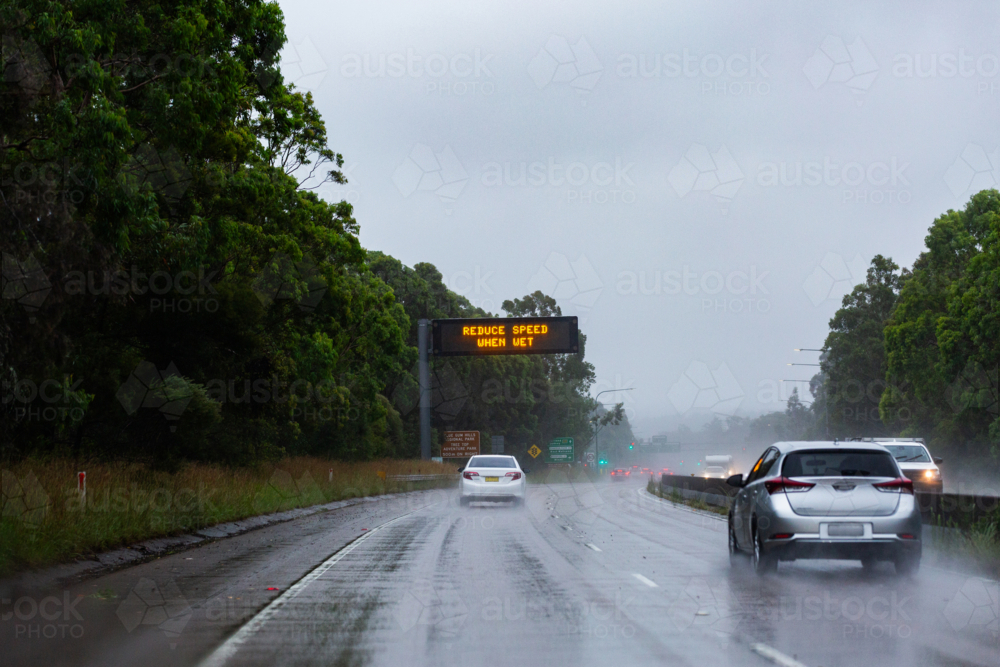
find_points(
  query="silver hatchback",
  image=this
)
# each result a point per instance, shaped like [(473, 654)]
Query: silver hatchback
[(843, 500)]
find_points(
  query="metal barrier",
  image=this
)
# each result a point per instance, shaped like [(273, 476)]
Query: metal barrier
[(422, 478), (946, 509)]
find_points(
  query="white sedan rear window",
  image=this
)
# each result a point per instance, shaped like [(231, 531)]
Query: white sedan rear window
[(492, 462)]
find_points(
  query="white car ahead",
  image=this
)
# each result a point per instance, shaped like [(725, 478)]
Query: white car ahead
[(492, 478)]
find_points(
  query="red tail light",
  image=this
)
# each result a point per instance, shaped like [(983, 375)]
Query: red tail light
[(470, 475), (787, 485), (907, 536), (898, 485), (781, 536), (513, 475)]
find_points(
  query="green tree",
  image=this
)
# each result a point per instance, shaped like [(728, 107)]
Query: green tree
[(854, 363), (940, 339), (171, 144)]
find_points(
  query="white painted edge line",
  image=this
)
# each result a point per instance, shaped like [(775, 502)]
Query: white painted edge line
[(648, 582), (775, 656), (228, 649), (592, 546)]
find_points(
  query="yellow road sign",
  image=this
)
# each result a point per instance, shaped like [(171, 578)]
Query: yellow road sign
[(534, 451)]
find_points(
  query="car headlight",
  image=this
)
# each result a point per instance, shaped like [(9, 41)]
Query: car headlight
[(932, 474)]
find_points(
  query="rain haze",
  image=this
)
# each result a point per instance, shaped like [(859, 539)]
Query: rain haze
[(700, 185), (455, 333)]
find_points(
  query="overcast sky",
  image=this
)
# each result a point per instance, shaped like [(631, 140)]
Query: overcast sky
[(700, 184)]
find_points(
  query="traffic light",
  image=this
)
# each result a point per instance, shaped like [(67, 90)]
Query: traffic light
[(632, 446)]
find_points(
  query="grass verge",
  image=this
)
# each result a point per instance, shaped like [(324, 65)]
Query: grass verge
[(978, 543), (43, 520), (676, 498)]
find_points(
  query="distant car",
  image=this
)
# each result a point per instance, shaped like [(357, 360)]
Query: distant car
[(647, 471), (844, 500), (915, 462), (667, 471), (492, 478), (620, 474)]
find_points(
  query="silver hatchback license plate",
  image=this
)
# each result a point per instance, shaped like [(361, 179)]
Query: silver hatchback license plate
[(845, 529)]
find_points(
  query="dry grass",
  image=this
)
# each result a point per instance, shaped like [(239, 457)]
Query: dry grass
[(44, 522)]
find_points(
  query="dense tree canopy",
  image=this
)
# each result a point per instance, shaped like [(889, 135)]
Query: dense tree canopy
[(174, 289), (942, 339)]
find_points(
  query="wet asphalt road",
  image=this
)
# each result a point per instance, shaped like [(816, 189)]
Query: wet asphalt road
[(583, 574)]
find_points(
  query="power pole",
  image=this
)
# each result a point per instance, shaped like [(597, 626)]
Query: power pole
[(424, 373)]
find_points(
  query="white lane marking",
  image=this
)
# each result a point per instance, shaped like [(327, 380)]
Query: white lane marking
[(775, 656), (565, 527), (591, 546), (651, 584), (222, 654)]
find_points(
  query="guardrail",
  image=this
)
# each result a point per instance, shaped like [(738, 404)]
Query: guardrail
[(946, 509), (422, 478)]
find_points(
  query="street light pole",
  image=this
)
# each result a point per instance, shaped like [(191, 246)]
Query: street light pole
[(597, 453), (826, 402)]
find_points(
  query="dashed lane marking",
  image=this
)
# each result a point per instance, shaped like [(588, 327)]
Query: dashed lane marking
[(775, 656), (648, 582)]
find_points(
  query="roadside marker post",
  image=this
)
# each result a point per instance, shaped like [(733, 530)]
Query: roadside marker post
[(81, 487)]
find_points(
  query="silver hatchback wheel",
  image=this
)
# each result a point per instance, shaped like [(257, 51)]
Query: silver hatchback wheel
[(762, 563), (736, 557)]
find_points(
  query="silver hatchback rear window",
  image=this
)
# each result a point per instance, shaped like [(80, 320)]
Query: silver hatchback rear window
[(839, 463)]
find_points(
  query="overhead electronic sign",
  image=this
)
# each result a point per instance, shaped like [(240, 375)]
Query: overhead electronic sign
[(506, 335)]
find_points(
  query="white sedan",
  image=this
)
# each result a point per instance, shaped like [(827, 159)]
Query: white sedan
[(492, 478)]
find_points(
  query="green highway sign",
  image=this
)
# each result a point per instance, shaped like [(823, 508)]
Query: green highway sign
[(560, 450)]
